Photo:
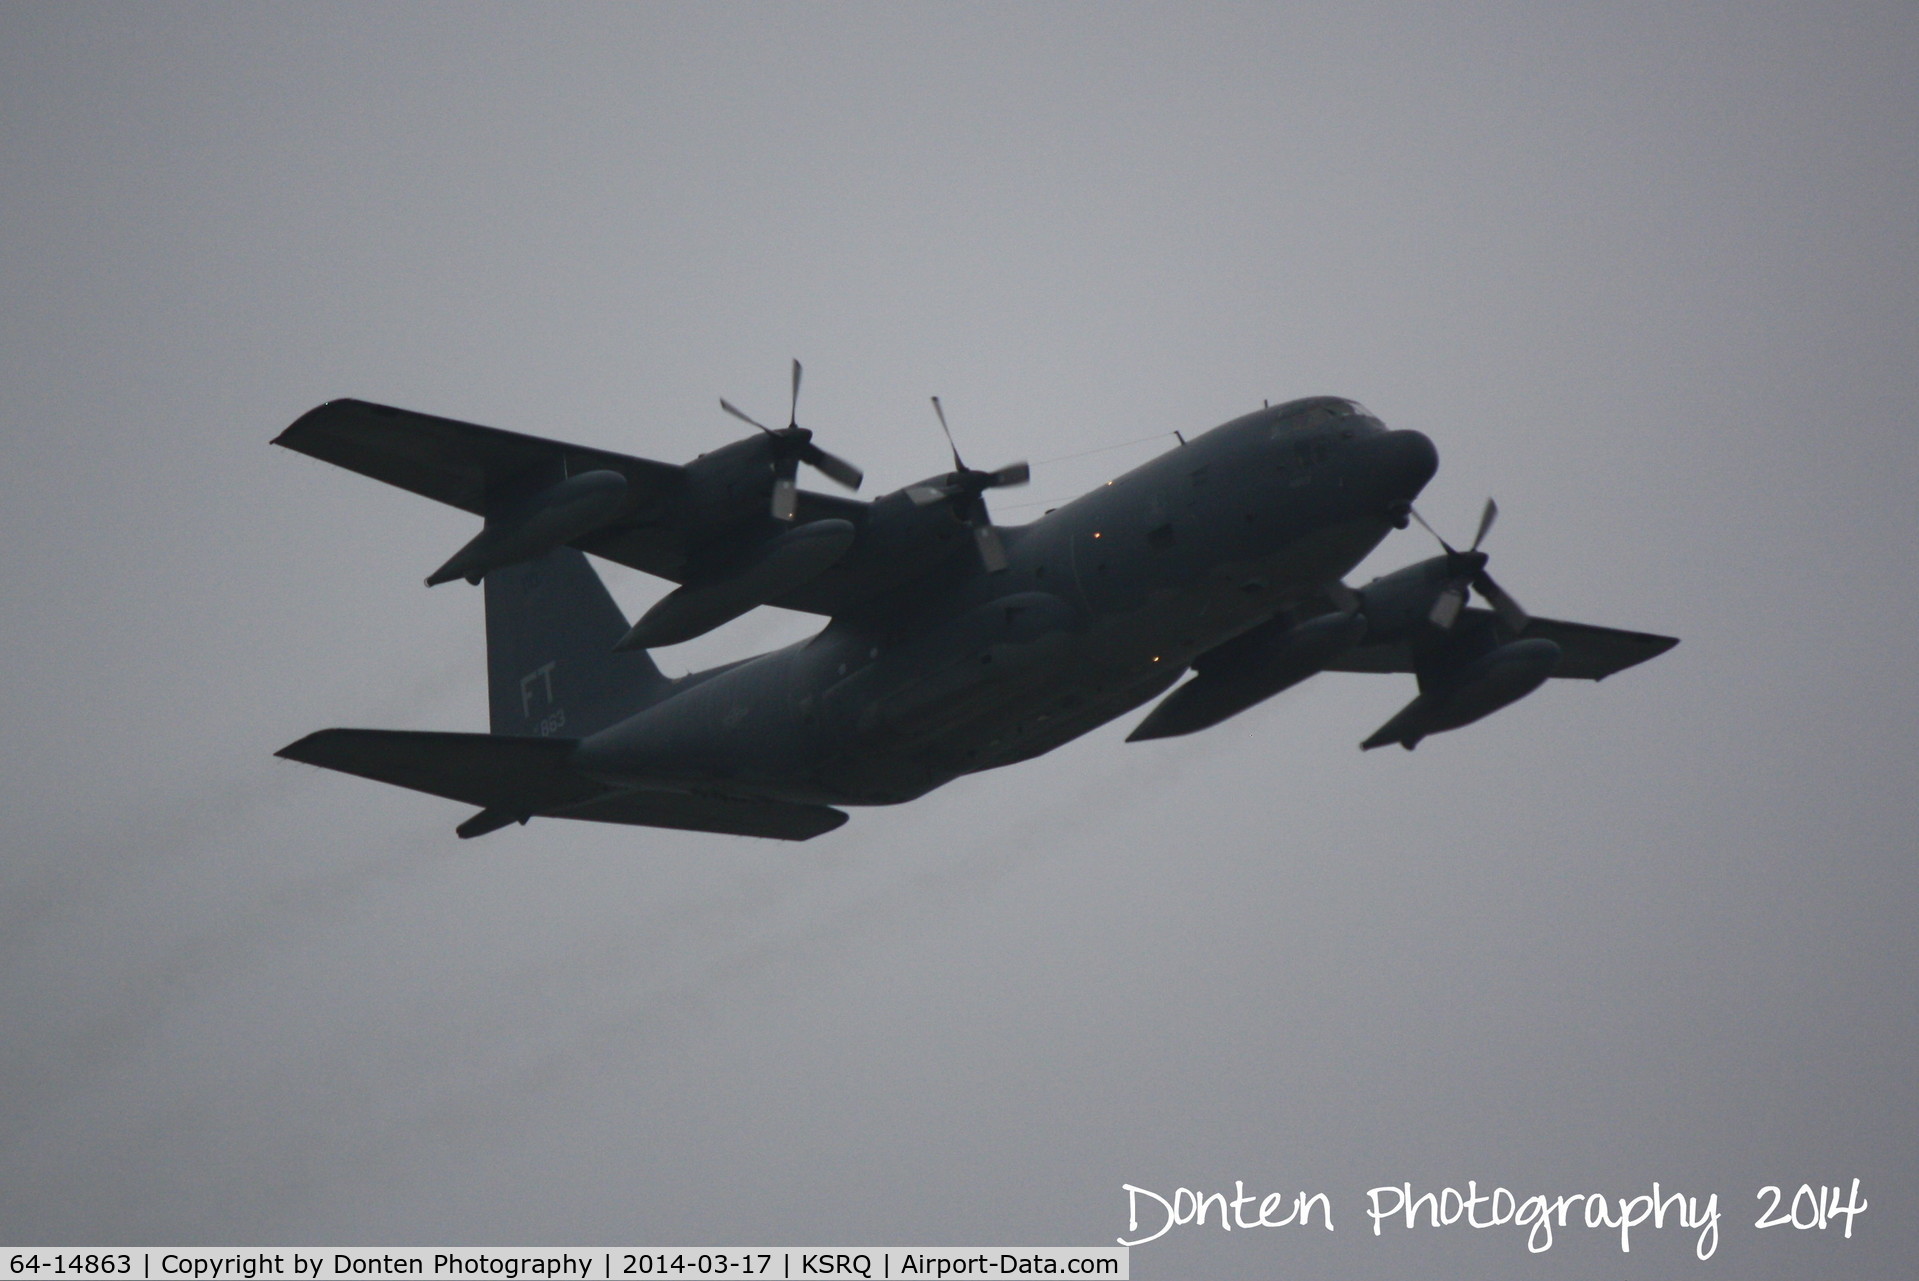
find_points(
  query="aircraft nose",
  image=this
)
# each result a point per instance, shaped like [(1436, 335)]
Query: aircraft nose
[(1410, 461)]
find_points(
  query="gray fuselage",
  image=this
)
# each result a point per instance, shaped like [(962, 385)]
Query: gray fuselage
[(1105, 602)]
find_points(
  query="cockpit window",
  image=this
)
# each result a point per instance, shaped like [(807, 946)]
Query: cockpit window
[(1340, 407), (1318, 410)]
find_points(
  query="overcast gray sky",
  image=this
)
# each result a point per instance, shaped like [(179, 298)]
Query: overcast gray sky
[(1645, 272)]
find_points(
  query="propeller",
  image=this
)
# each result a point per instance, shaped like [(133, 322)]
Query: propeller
[(793, 445), (966, 488), (1468, 570)]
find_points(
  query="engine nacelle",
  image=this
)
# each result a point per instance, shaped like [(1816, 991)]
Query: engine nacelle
[(1500, 676), (1248, 670), (560, 514), (1396, 606)]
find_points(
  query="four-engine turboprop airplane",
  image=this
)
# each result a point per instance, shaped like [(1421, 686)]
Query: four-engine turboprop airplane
[(953, 645)]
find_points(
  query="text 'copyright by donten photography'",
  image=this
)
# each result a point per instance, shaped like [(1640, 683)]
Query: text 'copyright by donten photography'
[(589, 1263)]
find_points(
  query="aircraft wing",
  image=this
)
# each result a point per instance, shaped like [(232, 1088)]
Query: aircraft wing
[(454, 462), (460, 464), (513, 778), (1587, 652)]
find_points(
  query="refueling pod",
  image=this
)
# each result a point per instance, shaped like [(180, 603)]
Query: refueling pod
[(1250, 669), (746, 582), (1500, 676), (536, 525)]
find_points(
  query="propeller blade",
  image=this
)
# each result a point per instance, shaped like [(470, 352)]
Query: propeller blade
[(957, 464), (992, 552), (744, 417), (927, 495), (793, 445), (1486, 519), (1446, 608), (786, 498), (1416, 516), (1011, 474), (833, 467), (1510, 612), (1344, 598)]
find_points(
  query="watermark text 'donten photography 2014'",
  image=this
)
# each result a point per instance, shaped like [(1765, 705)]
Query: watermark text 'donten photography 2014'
[(1537, 1215)]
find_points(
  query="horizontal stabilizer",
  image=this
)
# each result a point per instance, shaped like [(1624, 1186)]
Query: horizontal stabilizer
[(513, 778), (521, 775), (1586, 652)]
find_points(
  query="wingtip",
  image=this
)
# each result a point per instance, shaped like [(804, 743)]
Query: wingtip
[(839, 821), (301, 749), (288, 437), (287, 753)]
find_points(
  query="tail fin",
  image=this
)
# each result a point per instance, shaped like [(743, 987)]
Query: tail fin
[(550, 630)]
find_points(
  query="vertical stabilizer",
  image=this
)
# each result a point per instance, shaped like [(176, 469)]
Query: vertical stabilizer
[(550, 630)]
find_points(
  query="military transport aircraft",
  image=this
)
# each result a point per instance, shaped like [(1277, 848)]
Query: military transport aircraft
[(953, 644)]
